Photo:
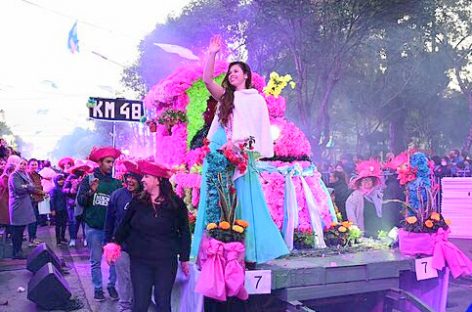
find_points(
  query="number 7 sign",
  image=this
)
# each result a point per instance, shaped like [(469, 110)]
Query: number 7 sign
[(424, 269), (258, 282)]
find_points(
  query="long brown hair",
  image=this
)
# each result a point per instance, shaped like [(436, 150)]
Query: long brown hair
[(166, 195), (227, 105)]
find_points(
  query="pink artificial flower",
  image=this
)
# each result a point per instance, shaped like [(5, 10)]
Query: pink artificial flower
[(258, 82), (276, 106)]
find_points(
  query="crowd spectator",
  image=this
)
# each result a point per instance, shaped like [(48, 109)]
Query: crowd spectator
[(59, 209), (337, 181), (37, 196), (74, 211), (116, 211), (20, 188), (94, 196), (156, 230)]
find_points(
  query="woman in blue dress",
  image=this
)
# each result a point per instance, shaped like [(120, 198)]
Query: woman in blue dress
[(241, 113)]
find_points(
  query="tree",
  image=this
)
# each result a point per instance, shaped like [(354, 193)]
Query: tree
[(454, 35)]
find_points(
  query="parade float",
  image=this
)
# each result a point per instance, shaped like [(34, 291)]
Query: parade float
[(179, 113)]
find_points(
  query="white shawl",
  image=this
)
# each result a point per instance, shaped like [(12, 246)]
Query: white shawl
[(250, 118)]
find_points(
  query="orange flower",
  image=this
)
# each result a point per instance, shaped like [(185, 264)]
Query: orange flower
[(435, 216), (346, 224), (211, 226), (242, 223), (429, 223), (224, 225), (342, 229), (411, 220), (448, 221), (238, 229), (333, 224)]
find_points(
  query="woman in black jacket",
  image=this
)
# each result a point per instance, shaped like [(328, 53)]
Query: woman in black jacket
[(156, 230)]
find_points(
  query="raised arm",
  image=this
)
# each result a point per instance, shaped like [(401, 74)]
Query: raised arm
[(216, 90)]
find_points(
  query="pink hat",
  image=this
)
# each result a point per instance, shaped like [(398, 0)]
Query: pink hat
[(398, 161), (366, 169), (154, 169), (80, 166), (131, 167), (98, 153), (62, 163)]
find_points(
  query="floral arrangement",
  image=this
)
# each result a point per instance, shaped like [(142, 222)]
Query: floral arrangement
[(431, 224), (303, 239), (341, 234), (236, 155), (171, 117), (226, 232), (277, 83)]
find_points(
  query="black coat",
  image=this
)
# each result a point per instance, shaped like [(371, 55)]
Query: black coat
[(151, 236)]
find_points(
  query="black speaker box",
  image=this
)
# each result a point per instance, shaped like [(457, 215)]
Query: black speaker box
[(48, 289), (41, 255)]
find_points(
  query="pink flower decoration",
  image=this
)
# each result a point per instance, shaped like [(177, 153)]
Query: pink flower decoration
[(276, 106), (292, 141), (258, 82)]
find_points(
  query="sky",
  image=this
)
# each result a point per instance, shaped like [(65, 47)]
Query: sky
[(43, 86)]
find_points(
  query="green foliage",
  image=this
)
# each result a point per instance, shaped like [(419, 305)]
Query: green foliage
[(198, 96)]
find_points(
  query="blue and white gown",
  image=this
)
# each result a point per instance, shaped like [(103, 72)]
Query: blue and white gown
[(263, 240)]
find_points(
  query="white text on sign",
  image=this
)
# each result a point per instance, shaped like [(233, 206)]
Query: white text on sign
[(258, 282)]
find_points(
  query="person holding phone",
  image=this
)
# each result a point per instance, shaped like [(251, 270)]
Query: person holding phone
[(94, 195)]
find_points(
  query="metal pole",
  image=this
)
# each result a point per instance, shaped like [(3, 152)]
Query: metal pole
[(113, 143), (113, 135)]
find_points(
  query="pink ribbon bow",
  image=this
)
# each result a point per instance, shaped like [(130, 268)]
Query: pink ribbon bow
[(211, 282), (446, 252), (234, 270), (112, 252)]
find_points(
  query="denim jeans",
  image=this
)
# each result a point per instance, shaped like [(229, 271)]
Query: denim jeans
[(71, 222), (124, 287), (95, 240)]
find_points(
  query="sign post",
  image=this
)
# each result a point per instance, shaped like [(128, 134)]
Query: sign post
[(115, 110)]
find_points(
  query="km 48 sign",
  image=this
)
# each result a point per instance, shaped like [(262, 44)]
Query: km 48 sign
[(116, 109)]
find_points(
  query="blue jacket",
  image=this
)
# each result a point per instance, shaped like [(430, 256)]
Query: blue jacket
[(58, 198), (116, 211)]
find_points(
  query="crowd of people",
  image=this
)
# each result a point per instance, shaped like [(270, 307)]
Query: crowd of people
[(141, 218), (141, 213)]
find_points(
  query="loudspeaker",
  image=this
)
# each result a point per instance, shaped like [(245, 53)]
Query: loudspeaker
[(48, 289), (41, 255)]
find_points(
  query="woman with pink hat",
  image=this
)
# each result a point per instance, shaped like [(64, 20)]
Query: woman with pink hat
[(156, 231), (364, 205), (71, 188)]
